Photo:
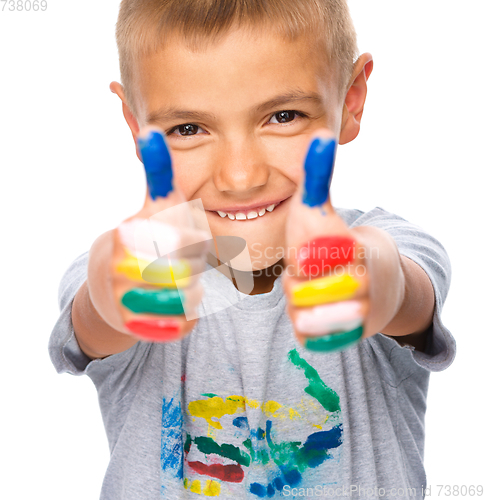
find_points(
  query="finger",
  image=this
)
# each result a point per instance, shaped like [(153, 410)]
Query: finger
[(157, 161), (162, 301), (319, 239), (346, 284), (331, 327), (163, 273), (328, 313), (159, 315), (157, 254), (323, 254), (152, 239)]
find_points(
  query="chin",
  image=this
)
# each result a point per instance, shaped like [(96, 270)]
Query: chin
[(263, 252)]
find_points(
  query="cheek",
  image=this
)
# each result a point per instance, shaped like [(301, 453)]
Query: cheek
[(191, 172), (288, 156)]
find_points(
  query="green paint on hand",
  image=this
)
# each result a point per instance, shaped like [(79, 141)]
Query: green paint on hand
[(163, 301), (334, 342), (207, 445), (326, 396)]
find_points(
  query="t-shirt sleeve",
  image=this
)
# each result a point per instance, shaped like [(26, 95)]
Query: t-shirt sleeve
[(416, 244), (64, 351), (67, 356)]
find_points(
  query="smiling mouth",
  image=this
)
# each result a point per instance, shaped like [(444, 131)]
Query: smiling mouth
[(254, 213)]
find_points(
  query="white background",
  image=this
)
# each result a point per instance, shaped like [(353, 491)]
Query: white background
[(69, 173)]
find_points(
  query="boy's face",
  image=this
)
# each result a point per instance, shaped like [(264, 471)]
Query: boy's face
[(238, 119)]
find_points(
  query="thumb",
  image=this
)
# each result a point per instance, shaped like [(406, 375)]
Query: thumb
[(164, 201), (157, 162), (318, 170), (311, 212), (312, 221)]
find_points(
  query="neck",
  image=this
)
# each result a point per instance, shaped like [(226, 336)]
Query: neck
[(263, 280)]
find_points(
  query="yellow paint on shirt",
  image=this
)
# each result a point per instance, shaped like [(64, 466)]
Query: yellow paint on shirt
[(212, 488), (195, 486), (252, 403), (270, 407), (293, 413), (216, 407)]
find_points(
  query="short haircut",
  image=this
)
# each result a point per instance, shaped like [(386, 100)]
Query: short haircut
[(144, 26)]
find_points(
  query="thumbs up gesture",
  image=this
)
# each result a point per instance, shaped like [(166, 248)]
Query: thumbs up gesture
[(336, 294), (157, 255)]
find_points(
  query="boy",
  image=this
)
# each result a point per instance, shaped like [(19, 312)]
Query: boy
[(241, 402)]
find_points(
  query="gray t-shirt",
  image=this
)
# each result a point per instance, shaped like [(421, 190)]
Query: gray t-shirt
[(238, 409)]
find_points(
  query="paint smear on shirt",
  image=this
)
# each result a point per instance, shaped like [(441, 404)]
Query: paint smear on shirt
[(327, 397)]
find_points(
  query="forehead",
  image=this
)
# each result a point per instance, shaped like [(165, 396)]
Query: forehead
[(242, 67)]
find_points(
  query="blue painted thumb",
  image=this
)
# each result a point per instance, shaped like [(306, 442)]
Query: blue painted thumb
[(158, 163), (318, 171)]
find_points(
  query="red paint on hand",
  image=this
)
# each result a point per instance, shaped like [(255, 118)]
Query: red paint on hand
[(323, 254), (154, 330), (230, 473)]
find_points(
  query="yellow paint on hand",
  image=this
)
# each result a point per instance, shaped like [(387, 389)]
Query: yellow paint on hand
[(195, 486), (323, 290), (216, 407), (176, 275), (212, 488)]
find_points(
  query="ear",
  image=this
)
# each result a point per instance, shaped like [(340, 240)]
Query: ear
[(355, 99), (130, 118)]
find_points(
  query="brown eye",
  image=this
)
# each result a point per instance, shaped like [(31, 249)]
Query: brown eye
[(185, 130), (285, 116)]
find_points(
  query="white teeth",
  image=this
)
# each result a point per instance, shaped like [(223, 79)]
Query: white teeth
[(251, 215)]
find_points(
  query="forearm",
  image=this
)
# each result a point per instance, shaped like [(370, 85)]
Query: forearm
[(95, 337), (402, 297), (416, 312)]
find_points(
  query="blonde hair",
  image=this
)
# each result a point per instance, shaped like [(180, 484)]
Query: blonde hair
[(144, 26)]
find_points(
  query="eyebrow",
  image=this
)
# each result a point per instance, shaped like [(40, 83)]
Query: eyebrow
[(171, 113)]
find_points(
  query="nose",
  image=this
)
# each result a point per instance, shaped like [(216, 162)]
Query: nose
[(241, 166)]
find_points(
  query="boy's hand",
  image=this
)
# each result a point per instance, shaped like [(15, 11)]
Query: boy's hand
[(342, 284), (156, 257)]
